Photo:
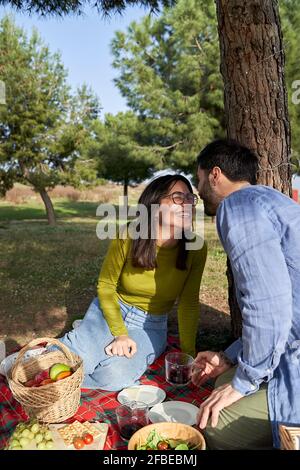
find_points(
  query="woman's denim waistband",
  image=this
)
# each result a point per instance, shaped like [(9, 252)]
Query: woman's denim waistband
[(136, 317)]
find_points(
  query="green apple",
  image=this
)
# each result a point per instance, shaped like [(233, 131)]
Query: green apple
[(57, 369)]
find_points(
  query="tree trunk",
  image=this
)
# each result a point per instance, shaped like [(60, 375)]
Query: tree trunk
[(255, 97), (125, 193), (48, 206)]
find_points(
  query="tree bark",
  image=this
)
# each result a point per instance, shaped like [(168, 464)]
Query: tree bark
[(48, 206), (125, 192), (255, 96)]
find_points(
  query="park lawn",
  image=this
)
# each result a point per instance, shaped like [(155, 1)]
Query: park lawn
[(34, 210), (48, 275)]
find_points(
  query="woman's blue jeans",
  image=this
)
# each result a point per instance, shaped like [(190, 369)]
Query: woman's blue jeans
[(114, 373)]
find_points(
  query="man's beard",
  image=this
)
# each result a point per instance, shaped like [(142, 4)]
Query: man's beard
[(210, 201), (209, 209)]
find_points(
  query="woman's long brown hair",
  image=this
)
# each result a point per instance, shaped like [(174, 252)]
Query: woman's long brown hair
[(143, 251)]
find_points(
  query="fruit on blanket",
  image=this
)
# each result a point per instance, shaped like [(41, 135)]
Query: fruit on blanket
[(56, 369), (63, 375), (29, 435)]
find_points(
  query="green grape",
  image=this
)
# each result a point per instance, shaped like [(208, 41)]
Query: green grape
[(49, 445), (41, 446), (14, 443), (38, 438), (48, 436), (24, 441), (35, 428)]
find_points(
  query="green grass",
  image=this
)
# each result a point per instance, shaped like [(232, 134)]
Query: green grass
[(36, 211), (48, 275)]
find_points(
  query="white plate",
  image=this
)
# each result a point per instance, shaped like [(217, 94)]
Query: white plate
[(145, 393), (174, 412)]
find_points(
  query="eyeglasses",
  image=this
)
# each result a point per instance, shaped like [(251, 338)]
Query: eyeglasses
[(180, 198)]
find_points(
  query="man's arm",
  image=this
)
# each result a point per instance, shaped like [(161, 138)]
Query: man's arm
[(233, 351)]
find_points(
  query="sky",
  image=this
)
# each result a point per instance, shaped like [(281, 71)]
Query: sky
[(84, 43)]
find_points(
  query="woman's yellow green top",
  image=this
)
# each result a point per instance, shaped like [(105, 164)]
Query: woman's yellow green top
[(155, 291)]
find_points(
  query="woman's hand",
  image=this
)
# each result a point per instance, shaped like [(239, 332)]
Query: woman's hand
[(121, 346), (207, 365)]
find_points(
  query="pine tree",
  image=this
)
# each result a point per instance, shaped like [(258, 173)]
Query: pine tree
[(65, 7), (116, 148), (168, 73)]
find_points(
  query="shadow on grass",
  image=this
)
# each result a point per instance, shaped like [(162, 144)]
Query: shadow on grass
[(214, 331)]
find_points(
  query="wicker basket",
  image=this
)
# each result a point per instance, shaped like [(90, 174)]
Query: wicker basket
[(289, 437), (54, 402)]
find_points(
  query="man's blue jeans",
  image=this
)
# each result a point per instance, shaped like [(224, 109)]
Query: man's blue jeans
[(114, 373)]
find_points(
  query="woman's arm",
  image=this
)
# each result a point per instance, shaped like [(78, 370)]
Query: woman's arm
[(188, 308), (108, 282)]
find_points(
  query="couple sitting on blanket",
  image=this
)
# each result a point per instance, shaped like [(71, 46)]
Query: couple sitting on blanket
[(125, 327)]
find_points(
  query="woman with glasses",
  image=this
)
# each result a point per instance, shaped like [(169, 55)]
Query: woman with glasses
[(125, 327)]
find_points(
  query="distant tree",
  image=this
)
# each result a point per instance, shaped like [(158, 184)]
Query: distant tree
[(168, 73), (40, 129), (85, 110), (65, 7), (116, 148)]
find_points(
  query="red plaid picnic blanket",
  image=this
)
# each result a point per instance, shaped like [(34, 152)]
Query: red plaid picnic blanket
[(99, 405)]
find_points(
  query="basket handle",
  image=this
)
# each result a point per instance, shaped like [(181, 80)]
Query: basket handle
[(36, 342)]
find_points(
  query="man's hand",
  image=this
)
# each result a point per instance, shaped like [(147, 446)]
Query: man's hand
[(208, 365), (220, 398), (121, 346)]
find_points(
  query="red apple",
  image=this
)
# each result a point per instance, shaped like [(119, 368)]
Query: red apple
[(43, 375), (29, 383)]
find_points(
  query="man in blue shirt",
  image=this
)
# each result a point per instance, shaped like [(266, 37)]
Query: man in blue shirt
[(258, 384)]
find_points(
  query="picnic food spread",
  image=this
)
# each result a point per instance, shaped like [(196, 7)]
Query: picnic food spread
[(157, 442)]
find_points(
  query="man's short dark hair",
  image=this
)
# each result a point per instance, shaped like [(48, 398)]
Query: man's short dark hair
[(238, 163)]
